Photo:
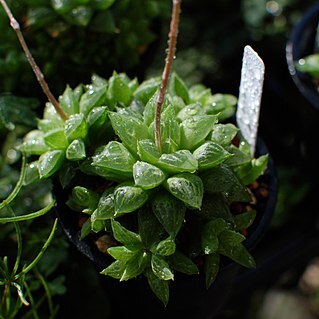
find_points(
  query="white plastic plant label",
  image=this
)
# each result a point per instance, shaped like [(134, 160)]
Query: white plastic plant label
[(250, 92)]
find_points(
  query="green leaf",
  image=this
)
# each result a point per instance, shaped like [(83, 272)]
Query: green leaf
[(221, 104), (118, 91), (239, 254), (103, 4), (147, 89), (229, 239), (56, 139), (32, 173), (134, 267), (48, 125), (76, 151), (50, 162), (150, 109), (149, 228), (210, 234), (128, 238), (187, 188), (178, 87), (239, 157), (129, 129), (92, 98), (178, 162), (195, 129), (165, 247), (250, 173), (69, 102), (190, 110), (209, 155), (169, 211), (33, 143), (128, 199), (223, 180), (158, 286), (161, 268), (147, 176), (105, 209), (115, 158), (244, 220), (86, 229), (211, 268), (183, 264), (121, 253), (115, 270), (67, 174), (76, 127), (84, 197), (148, 152), (223, 134), (309, 65)]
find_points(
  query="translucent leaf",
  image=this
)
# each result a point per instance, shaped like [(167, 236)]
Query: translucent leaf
[(118, 91), (190, 110), (149, 227), (32, 173), (129, 129), (148, 152), (239, 157), (210, 233), (223, 180), (56, 139), (195, 129), (69, 102), (187, 188), (115, 158), (84, 197), (239, 254), (33, 143), (147, 176), (199, 93), (223, 134), (229, 239), (92, 98), (250, 173), (105, 209), (161, 268), (158, 286), (150, 109), (209, 155), (66, 174), (183, 264), (244, 220), (128, 238), (211, 268), (178, 87), (86, 229), (129, 198), (115, 270), (147, 89), (76, 127), (134, 267), (50, 162), (165, 247), (169, 211), (76, 151), (121, 253), (177, 162), (221, 104)]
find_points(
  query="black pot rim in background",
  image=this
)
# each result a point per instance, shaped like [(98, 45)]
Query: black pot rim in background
[(300, 44)]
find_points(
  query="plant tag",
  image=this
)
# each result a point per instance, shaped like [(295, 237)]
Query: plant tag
[(250, 91)]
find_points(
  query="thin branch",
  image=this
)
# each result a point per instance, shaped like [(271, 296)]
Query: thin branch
[(167, 69), (38, 73)]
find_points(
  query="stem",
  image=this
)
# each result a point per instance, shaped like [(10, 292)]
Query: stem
[(38, 73), (167, 69)]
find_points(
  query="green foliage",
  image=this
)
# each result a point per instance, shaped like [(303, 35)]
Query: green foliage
[(66, 38), (309, 65), (151, 196)]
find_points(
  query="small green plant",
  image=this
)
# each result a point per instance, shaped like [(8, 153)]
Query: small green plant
[(154, 166)]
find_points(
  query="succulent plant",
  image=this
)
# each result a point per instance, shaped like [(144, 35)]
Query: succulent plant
[(150, 200)]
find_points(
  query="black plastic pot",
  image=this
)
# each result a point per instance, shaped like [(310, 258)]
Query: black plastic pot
[(302, 42), (188, 296)]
